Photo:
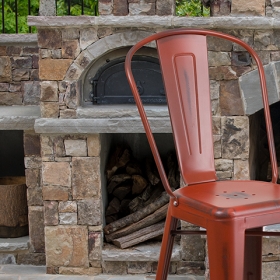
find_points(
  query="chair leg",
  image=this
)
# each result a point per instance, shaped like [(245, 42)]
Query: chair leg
[(166, 247), (253, 257), (226, 241)]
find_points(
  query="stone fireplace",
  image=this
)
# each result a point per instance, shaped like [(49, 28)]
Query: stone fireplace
[(67, 139)]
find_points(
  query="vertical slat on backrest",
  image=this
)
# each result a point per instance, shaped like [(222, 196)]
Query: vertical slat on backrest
[(184, 67)]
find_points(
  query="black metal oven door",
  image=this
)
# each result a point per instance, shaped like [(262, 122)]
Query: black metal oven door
[(110, 86)]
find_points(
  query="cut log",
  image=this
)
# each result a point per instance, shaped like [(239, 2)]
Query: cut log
[(157, 191), (155, 217), (119, 158), (122, 191), (140, 236), (152, 172), (133, 168), (113, 207), (139, 184), (150, 194), (138, 215), (116, 180), (173, 171)]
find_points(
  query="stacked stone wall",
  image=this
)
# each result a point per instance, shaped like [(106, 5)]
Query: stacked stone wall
[(19, 77)]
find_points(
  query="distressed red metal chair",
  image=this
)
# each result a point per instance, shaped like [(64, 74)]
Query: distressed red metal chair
[(232, 212)]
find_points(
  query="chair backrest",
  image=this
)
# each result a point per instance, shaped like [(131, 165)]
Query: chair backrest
[(184, 65)]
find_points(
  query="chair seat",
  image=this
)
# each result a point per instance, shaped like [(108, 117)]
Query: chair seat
[(235, 198)]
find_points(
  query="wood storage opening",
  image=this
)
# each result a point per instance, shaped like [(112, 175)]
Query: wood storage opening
[(13, 207)]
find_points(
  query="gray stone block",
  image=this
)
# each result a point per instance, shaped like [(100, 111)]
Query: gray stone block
[(251, 91)]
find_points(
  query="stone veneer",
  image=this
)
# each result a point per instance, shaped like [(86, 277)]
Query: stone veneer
[(65, 148)]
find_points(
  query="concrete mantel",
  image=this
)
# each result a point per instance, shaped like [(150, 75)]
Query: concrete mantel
[(19, 38), (18, 117), (225, 22), (107, 119)]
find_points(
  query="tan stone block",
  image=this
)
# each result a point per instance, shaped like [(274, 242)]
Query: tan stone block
[(241, 170), (70, 49), (235, 137), (49, 91), (53, 69), (95, 245), (3, 50), (67, 218), (218, 58), (34, 196), (59, 148), (248, 7), (51, 213), (224, 164), (32, 162), (165, 7), (68, 114), (89, 211), (19, 75), (36, 228), (272, 269), (46, 146), (56, 173), (80, 270), (75, 148), (70, 33), (230, 99), (120, 8), (94, 145), (55, 193), (32, 177), (60, 159), (216, 125), (96, 264), (71, 95), (74, 72), (224, 175), (49, 38), (217, 146), (222, 73), (5, 69), (10, 98), (271, 246), (95, 228), (67, 207), (85, 177), (48, 158), (67, 246), (32, 144), (49, 109), (87, 37)]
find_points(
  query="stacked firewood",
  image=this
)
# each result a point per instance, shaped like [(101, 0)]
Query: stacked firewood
[(137, 200)]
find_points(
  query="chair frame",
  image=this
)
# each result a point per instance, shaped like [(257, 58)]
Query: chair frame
[(246, 228)]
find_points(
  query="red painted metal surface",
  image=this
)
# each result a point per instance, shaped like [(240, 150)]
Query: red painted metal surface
[(232, 212)]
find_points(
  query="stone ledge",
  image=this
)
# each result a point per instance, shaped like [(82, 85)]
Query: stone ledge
[(120, 111), (107, 119), (14, 244), (226, 22), (18, 38), (143, 253), (18, 117), (101, 125)]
